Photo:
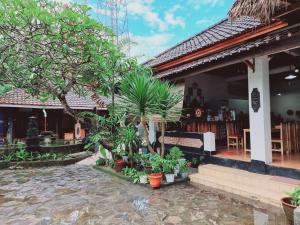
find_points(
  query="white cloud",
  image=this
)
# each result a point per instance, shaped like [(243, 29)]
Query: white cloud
[(197, 4), (144, 9), (173, 20), (146, 47)]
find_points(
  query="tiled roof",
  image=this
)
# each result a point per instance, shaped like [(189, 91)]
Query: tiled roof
[(247, 46), (19, 98), (217, 33)]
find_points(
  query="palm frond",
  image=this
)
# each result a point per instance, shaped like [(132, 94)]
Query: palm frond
[(138, 94), (168, 98)]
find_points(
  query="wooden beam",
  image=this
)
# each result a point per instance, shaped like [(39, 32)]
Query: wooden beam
[(223, 45), (250, 64)]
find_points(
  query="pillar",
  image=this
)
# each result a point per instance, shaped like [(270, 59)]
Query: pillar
[(259, 113)]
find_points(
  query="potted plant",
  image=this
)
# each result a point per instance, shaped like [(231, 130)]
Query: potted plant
[(156, 169), (145, 161), (119, 162), (183, 168), (143, 177), (290, 203), (168, 168)]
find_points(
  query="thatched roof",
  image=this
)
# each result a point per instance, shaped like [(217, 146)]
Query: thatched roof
[(260, 9)]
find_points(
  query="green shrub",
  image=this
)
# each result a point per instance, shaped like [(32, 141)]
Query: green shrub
[(295, 196), (168, 166), (156, 162), (132, 173), (101, 162), (183, 166), (175, 153)]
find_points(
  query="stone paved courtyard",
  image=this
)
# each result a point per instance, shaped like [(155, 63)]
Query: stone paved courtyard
[(78, 194)]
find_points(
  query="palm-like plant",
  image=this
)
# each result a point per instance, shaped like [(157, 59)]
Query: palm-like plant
[(128, 137), (260, 9), (138, 96), (168, 98)]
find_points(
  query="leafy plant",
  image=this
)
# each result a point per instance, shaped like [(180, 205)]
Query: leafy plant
[(132, 173), (156, 162), (295, 196), (167, 100), (65, 50), (138, 98), (101, 162), (9, 157), (168, 166), (119, 152), (195, 161), (22, 155), (111, 163), (129, 138), (175, 153), (183, 166)]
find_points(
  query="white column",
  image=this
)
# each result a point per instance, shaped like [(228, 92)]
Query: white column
[(260, 121)]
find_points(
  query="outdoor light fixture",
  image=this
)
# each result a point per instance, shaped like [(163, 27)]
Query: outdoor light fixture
[(279, 94), (291, 75), (296, 70)]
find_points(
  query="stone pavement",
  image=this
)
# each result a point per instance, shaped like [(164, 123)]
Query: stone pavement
[(80, 195)]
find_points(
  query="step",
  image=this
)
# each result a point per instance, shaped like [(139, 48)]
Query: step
[(265, 188), (267, 183)]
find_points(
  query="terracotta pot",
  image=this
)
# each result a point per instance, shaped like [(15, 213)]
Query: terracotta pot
[(288, 209), (155, 180), (119, 164)]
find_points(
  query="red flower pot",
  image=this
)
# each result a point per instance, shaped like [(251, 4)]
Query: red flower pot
[(155, 180), (119, 165), (288, 208)]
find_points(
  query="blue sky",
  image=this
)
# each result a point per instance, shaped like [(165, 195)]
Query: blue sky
[(155, 25)]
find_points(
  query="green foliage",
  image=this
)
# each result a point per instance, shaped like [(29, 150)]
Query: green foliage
[(111, 163), (183, 166), (175, 153), (138, 93), (128, 136), (195, 161), (167, 98), (24, 155), (132, 173), (4, 88), (48, 48), (168, 166), (295, 196), (106, 127), (101, 162), (156, 162)]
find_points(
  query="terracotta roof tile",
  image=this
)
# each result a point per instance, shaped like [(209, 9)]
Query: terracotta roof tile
[(19, 98), (225, 53), (219, 32)]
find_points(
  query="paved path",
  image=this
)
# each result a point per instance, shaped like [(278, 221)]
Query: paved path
[(80, 195), (90, 161)]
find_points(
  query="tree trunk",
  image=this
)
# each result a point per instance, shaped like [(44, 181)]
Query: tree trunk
[(146, 134), (68, 110), (163, 129)]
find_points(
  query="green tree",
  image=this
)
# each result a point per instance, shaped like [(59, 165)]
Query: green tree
[(138, 97), (48, 49), (167, 100)]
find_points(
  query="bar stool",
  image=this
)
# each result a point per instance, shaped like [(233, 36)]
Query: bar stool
[(234, 138), (277, 143)]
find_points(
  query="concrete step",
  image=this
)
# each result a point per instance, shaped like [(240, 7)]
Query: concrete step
[(264, 188)]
